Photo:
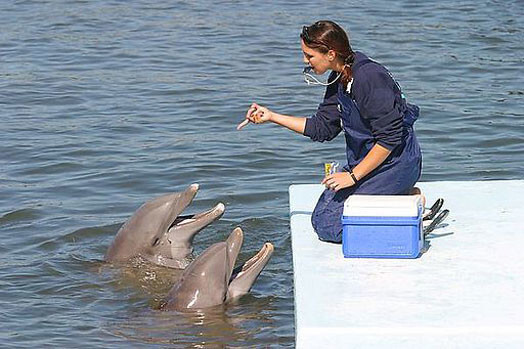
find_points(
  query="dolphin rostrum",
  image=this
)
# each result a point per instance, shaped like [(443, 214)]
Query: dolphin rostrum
[(157, 233), (211, 280)]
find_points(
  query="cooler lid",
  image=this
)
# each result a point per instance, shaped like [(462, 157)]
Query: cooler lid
[(383, 206)]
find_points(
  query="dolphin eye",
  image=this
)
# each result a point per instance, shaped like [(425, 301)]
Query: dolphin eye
[(157, 240)]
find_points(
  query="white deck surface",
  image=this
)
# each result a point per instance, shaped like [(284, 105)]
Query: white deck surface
[(466, 291)]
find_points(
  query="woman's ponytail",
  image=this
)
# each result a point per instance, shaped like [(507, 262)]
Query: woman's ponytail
[(347, 73)]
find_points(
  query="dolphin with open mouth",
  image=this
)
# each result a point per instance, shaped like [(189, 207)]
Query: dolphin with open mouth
[(157, 232), (211, 278)]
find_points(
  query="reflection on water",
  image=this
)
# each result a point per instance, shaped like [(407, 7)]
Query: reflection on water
[(235, 322), (211, 327)]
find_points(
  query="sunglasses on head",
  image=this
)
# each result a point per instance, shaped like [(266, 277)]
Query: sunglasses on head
[(304, 35)]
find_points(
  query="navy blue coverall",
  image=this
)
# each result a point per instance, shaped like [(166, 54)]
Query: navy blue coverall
[(374, 111)]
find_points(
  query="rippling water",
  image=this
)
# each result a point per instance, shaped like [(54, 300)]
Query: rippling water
[(106, 104)]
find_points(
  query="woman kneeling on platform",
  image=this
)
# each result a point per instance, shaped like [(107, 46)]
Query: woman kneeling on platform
[(364, 101)]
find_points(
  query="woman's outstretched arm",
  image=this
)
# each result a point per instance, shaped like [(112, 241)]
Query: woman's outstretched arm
[(258, 114)]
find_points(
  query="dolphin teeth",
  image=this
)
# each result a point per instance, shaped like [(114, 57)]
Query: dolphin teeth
[(186, 221), (268, 248), (216, 212)]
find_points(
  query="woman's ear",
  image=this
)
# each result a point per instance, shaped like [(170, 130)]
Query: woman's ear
[(331, 55)]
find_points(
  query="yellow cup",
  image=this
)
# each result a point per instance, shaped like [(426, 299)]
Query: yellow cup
[(330, 167), (327, 168)]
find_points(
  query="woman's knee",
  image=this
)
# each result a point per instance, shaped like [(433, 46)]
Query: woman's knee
[(327, 218), (326, 228)]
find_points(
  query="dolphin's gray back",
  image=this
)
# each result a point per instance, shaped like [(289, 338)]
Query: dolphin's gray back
[(140, 233), (204, 283)]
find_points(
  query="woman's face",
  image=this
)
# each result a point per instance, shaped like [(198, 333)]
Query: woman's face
[(320, 62)]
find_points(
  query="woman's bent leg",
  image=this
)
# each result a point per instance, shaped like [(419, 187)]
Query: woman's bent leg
[(327, 215)]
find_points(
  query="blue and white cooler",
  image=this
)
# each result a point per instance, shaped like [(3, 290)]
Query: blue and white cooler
[(382, 226)]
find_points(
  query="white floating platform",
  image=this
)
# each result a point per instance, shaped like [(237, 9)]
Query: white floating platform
[(466, 291)]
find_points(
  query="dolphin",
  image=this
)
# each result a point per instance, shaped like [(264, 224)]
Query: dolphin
[(211, 279), (158, 234)]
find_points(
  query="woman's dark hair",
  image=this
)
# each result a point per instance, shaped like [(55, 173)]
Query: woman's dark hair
[(327, 35)]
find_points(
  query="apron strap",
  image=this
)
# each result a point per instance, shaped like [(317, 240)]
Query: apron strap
[(354, 68), (359, 64)]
